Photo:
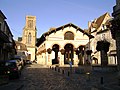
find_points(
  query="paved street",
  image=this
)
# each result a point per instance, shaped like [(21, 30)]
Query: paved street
[(37, 77)]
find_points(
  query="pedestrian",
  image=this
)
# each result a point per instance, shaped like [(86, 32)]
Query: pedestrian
[(70, 63)]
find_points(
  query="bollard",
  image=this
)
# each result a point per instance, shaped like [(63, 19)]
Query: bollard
[(55, 68), (119, 82), (88, 76), (101, 80), (58, 69), (52, 68), (62, 71), (68, 73)]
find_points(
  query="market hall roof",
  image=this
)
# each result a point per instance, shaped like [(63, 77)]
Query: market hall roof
[(52, 30)]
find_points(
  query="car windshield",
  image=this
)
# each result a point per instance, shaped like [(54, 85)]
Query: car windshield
[(10, 64)]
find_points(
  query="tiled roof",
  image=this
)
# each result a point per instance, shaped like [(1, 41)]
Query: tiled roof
[(97, 23), (100, 20), (52, 30)]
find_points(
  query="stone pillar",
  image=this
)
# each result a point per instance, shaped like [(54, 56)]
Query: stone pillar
[(59, 58), (43, 58), (38, 58), (49, 60), (76, 61), (88, 52), (62, 51), (104, 58), (48, 57), (62, 59)]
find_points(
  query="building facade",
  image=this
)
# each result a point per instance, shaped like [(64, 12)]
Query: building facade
[(62, 45), (7, 44), (99, 28), (29, 36), (21, 50)]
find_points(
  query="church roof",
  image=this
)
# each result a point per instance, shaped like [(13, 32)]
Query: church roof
[(52, 30), (99, 21)]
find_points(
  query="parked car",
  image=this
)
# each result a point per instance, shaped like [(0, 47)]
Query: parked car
[(3, 72), (3, 68), (14, 68), (20, 59)]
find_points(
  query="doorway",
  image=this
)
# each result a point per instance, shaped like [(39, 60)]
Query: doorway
[(80, 53), (68, 55), (55, 48)]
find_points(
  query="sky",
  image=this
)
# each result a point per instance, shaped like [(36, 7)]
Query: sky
[(53, 13)]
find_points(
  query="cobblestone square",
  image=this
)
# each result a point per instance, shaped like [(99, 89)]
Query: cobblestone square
[(37, 77)]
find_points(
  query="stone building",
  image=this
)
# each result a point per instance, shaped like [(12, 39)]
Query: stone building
[(62, 45), (7, 44), (21, 50), (115, 29), (29, 36), (99, 28)]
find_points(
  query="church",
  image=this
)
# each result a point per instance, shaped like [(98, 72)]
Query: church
[(69, 43), (29, 36), (62, 45)]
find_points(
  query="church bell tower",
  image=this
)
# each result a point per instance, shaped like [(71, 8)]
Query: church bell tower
[(29, 36)]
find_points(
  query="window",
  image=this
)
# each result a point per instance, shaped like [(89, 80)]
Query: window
[(29, 38), (103, 36), (69, 36), (18, 47), (30, 23)]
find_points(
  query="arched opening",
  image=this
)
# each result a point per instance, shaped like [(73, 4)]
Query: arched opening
[(80, 53), (55, 48), (29, 38), (68, 55), (68, 36), (94, 60)]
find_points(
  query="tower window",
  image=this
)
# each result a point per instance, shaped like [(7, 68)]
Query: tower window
[(29, 38), (30, 23), (69, 36)]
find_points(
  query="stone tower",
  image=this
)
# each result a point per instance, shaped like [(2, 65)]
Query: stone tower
[(29, 36)]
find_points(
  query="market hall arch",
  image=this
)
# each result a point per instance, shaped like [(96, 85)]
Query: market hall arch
[(69, 53), (80, 53), (55, 48)]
